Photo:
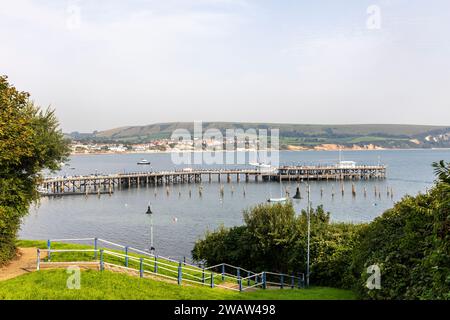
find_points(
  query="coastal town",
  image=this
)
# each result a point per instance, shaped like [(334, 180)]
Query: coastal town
[(159, 146)]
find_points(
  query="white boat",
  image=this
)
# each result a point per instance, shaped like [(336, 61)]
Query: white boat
[(277, 200), (143, 161)]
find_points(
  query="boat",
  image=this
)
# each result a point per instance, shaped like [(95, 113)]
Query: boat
[(144, 162), (277, 200)]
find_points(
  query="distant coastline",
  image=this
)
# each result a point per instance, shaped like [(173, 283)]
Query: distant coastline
[(249, 150)]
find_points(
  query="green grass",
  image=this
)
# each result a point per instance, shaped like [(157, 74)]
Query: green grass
[(95, 285), (51, 284), (165, 267)]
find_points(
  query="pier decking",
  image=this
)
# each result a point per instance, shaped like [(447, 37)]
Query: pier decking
[(107, 183)]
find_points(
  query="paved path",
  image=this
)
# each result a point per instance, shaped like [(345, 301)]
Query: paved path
[(24, 262)]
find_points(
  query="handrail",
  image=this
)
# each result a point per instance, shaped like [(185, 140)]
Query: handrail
[(80, 239), (177, 267)]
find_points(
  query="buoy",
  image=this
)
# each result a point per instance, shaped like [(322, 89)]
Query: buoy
[(297, 194)]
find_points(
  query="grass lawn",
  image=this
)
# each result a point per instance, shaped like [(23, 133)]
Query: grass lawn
[(51, 284)]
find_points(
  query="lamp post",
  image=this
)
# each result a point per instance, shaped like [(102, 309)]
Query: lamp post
[(149, 212), (309, 236)]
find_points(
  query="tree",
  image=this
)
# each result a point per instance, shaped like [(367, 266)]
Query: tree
[(30, 141), (411, 245), (274, 239)]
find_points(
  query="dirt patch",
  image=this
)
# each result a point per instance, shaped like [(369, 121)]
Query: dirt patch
[(24, 262)]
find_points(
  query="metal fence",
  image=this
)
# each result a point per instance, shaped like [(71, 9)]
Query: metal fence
[(145, 264)]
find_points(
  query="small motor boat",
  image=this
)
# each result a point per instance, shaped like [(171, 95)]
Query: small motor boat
[(144, 162), (277, 200)]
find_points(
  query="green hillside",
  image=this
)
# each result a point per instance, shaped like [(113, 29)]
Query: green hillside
[(384, 135)]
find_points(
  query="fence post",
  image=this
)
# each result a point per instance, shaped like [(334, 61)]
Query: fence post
[(212, 280), (300, 280), (264, 280), (141, 267), (281, 281), (203, 274), (38, 263), (126, 256), (49, 245), (248, 278), (155, 269), (184, 260), (223, 272), (179, 273), (238, 273), (95, 248), (292, 281), (102, 267), (303, 280), (240, 284)]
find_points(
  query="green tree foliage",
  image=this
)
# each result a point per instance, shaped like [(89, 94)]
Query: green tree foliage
[(274, 238), (411, 245), (30, 142)]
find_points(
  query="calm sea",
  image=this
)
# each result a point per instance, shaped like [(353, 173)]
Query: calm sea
[(180, 219)]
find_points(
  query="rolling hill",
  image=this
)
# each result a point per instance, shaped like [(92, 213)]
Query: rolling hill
[(382, 135)]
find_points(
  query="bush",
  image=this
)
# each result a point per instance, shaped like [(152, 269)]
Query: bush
[(274, 239), (410, 244)]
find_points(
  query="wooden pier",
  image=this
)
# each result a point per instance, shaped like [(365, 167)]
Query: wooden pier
[(92, 184)]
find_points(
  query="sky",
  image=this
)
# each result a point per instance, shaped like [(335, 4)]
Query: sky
[(109, 63)]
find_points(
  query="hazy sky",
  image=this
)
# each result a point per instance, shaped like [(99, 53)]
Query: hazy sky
[(109, 63)]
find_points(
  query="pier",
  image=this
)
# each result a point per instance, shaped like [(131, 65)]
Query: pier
[(93, 184)]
